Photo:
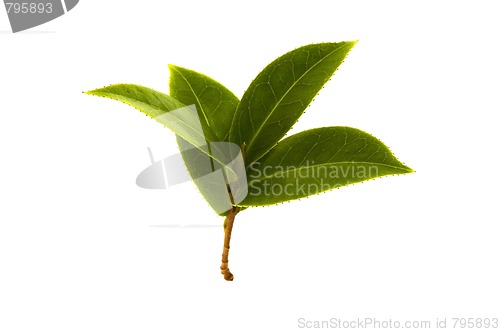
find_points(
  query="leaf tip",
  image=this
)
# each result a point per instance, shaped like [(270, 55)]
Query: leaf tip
[(352, 43), (406, 169), (90, 92), (100, 92)]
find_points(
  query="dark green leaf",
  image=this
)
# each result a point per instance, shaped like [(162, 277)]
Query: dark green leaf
[(281, 92), (216, 103), (317, 160)]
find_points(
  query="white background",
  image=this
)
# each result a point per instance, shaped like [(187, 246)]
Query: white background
[(80, 249)]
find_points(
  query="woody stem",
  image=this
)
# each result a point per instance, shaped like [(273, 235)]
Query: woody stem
[(228, 228)]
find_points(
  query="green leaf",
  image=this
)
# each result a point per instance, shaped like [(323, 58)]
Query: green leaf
[(161, 107), (217, 106), (184, 121), (216, 103), (317, 160), (202, 170), (280, 94)]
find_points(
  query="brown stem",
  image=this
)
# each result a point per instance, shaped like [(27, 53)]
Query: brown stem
[(228, 228)]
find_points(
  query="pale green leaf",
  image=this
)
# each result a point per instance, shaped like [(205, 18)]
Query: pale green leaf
[(318, 160), (161, 107), (280, 94), (202, 170), (184, 121)]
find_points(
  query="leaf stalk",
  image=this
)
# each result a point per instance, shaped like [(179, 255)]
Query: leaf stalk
[(228, 228)]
